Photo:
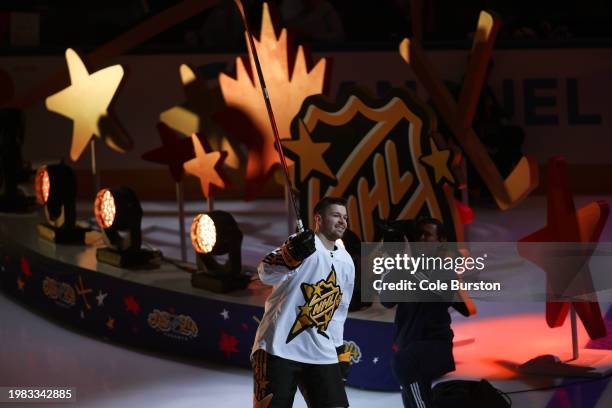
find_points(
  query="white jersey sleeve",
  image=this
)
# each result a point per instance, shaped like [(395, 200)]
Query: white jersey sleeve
[(272, 269)]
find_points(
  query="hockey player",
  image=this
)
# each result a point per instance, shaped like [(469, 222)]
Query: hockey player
[(300, 337)]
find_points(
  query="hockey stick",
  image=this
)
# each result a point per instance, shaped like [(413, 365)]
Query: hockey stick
[(266, 97)]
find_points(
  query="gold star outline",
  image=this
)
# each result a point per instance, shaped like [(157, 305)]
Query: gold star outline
[(310, 154), (439, 160)]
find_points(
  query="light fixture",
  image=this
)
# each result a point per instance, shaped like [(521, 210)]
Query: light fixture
[(214, 235), (119, 214), (55, 186)]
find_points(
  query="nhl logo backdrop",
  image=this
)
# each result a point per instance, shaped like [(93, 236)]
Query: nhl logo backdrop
[(382, 155)]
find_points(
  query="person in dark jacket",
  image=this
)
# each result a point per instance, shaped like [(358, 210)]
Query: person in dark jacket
[(422, 335)]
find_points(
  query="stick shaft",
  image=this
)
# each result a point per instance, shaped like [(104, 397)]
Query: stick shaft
[(270, 114)]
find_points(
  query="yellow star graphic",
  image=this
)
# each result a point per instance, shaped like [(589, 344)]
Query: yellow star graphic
[(203, 166), (86, 100), (110, 323), (20, 284), (310, 153), (317, 290), (262, 383), (305, 310), (438, 160)]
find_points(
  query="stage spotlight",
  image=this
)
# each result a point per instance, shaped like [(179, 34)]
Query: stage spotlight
[(55, 186), (216, 234), (119, 214)]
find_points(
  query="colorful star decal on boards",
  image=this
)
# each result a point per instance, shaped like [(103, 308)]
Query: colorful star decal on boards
[(83, 292), (227, 344), (287, 91), (101, 297), (174, 151), (440, 161), (110, 323), (322, 301), (312, 153), (20, 284), (225, 314), (207, 165), (131, 305), (25, 267), (86, 101), (568, 273)]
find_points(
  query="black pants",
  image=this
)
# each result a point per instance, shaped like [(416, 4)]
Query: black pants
[(276, 379), (417, 364)]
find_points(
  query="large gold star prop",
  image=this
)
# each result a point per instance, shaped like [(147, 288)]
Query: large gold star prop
[(207, 166), (86, 101), (439, 161), (310, 154)]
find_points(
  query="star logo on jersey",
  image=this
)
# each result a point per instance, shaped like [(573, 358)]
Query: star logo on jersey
[(322, 300)]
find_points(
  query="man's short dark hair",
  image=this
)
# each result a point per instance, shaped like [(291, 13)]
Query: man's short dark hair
[(440, 230), (325, 202)]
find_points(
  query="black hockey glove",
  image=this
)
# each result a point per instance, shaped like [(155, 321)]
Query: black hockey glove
[(298, 247)]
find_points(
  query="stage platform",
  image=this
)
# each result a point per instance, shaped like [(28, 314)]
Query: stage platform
[(158, 308)]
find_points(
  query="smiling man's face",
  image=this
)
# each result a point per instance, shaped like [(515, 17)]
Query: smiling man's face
[(333, 222)]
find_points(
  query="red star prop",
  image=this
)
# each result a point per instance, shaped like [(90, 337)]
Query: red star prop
[(228, 344), (25, 267), (207, 165), (565, 224), (131, 305), (175, 151)]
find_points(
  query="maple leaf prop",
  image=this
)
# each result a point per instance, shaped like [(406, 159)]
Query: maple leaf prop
[(131, 305), (227, 344), (247, 117)]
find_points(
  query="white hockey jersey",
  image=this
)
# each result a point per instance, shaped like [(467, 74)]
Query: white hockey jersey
[(305, 313)]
